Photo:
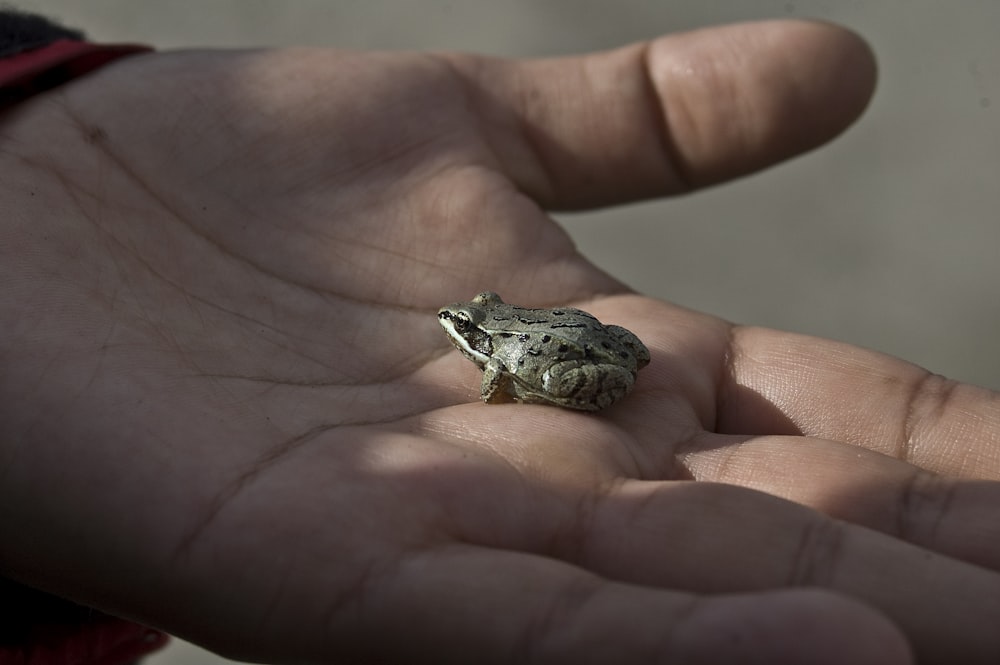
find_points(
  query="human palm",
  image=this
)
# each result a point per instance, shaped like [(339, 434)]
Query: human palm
[(222, 363)]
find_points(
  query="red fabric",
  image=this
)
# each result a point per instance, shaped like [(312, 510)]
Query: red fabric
[(30, 72), (105, 641)]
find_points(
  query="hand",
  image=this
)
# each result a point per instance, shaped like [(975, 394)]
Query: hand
[(229, 410)]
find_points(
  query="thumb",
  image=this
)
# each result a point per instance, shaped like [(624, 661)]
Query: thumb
[(677, 113)]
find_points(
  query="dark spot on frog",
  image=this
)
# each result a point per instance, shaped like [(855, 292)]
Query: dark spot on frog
[(563, 348), (506, 334), (546, 339), (557, 312), (524, 337)]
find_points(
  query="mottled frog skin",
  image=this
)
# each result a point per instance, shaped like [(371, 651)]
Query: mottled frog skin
[(560, 356)]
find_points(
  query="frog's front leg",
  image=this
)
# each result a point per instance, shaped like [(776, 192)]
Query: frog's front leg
[(496, 382)]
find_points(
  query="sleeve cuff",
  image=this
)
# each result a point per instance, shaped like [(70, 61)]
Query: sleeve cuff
[(33, 71)]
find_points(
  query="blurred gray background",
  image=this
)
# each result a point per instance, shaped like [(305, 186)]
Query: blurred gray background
[(887, 238)]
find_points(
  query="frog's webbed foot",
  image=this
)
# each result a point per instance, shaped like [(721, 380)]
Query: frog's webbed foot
[(496, 382)]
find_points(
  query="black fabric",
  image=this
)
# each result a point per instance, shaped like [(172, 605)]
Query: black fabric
[(23, 608), (20, 31)]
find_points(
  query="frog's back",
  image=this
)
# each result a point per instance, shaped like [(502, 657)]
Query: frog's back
[(571, 333)]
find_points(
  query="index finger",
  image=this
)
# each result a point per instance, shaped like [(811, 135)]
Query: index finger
[(676, 113)]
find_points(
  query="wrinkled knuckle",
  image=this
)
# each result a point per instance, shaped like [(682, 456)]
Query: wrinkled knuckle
[(555, 626), (819, 553), (684, 640), (922, 504), (926, 406), (574, 539), (589, 621)]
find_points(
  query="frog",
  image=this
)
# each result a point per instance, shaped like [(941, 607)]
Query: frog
[(562, 356)]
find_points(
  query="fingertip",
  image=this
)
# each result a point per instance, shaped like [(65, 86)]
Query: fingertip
[(840, 79), (742, 97)]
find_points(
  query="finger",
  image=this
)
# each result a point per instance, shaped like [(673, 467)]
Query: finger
[(782, 383), (462, 604), (680, 112), (718, 538), (953, 517)]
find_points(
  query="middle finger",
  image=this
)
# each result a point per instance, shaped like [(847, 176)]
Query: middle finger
[(951, 516)]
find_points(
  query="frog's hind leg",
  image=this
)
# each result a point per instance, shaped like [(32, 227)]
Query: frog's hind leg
[(579, 385)]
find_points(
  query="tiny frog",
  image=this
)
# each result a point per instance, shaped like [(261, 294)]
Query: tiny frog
[(561, 356)]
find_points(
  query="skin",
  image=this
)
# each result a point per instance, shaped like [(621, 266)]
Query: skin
[(229, 411)]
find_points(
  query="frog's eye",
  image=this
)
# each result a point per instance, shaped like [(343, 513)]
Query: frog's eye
[(462, 322)]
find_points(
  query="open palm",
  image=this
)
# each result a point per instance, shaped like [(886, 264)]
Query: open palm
[(229, 409)]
